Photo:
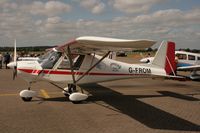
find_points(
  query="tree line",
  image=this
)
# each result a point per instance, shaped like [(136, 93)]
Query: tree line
[(154, 50), (25, 49), (43, 48)]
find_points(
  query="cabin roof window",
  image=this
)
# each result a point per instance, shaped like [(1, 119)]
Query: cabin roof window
[(182, 56), (191, 57), (198, 58)]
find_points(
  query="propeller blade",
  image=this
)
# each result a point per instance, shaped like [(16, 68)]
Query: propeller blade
[(15, 52), (14, 72), (15, 61)]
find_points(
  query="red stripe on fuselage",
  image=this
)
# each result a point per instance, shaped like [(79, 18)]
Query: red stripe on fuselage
[(76, 73)]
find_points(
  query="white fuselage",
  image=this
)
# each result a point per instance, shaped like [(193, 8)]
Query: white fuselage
[(106, 70)]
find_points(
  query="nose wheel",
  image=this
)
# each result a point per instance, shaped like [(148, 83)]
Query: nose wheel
[(26, 99), (28, 94)]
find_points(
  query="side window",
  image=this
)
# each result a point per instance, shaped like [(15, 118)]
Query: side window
[(198, 58), (64, 64), (182, 56), (77, 59), (191, 57)]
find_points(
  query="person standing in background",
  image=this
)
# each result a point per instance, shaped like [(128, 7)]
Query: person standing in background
[(1, 60), (6, 59)]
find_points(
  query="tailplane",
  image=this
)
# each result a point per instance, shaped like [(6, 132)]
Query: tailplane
[(165, 57)]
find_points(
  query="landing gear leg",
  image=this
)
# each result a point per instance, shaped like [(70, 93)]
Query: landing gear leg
[(74, 96), (71, 88)]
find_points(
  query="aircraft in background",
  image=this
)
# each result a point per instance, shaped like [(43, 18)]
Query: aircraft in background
[(76, 63), (188, 61), (185, 61)]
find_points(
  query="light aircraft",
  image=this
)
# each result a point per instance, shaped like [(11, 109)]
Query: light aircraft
[(185, 61), (77, 62)]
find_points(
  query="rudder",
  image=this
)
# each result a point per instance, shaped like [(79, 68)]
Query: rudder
[(165, 57), (170, 65)]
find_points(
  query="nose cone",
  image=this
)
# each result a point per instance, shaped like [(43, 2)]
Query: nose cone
[(12, 64)]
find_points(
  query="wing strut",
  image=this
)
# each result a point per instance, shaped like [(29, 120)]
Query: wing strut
[(93, 66), (72, 68), (71, 64), (75, 96)]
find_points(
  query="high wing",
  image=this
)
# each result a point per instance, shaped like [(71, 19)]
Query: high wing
[(91, 44), (189, 68)]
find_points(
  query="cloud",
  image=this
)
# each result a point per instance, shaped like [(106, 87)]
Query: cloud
[(38, 22), (173, 24), (170, 17), (54, 20), (49, 8), (133, 6), (95, 6), (42, 23)]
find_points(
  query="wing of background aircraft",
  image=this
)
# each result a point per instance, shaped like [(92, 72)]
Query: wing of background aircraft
[(90, 44), (189, 68)]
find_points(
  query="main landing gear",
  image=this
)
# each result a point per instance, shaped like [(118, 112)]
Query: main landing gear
[(74, 96), (28, 94)]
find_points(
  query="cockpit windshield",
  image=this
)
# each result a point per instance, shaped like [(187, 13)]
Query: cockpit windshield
[(48, 60)]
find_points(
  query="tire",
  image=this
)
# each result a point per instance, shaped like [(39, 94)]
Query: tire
[(76, 102), (26, 99)]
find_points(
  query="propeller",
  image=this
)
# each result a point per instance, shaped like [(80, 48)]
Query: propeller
[(14, 72), (15, 62)]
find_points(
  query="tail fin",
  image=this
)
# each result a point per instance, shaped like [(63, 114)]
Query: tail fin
[(165, 57)]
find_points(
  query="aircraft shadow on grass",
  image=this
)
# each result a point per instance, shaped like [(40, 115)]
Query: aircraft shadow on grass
[(144, 113)]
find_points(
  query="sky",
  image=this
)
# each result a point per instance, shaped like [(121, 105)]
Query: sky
[(49, 23)]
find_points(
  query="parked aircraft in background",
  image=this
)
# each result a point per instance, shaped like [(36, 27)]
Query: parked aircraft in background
[(188, 61), (76, 63), (185, 61)]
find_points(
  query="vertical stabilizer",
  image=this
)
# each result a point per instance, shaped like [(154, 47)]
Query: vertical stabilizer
[(165, 57)]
